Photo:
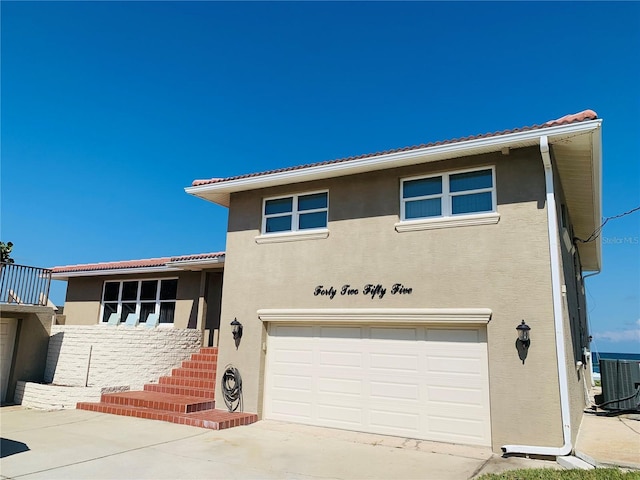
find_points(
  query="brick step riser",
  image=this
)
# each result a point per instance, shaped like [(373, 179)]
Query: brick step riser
[(187, 382), (115, 399), (167, 416), (178, 390), (209, 350), (204, 357), (197, 365), (193, 373)]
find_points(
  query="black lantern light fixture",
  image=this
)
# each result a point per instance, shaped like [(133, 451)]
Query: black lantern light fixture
[(523, 334), (237, 330)]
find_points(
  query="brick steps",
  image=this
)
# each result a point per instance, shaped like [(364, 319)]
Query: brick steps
[(205, 357), (159, 401), (194, 373), (187, 382), (186, 397), (180, 390), (211, 419)]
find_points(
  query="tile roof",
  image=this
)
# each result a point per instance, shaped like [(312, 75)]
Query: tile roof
[(145, 263), (567, 119)]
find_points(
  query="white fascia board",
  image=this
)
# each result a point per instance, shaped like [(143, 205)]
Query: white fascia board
[(219, 192), (114, 271)]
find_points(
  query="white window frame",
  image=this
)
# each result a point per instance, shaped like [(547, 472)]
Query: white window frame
[(138, 301), (447, 218), (295, 233)]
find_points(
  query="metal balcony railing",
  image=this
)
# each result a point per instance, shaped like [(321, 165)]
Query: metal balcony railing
[(24, 285)]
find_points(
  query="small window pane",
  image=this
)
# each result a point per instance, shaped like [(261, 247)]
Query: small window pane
[(146, 309), (168, 289), (422, 187), (278, 224), (130, 290), (127, 308), (423, 208), (148, 290), (111, 290), (109, 308), (477, 202), (167, 312), (471, 181), (312, 202), (279, 205), (313, 220)]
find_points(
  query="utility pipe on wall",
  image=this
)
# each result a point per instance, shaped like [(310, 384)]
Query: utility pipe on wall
[(556, 290)]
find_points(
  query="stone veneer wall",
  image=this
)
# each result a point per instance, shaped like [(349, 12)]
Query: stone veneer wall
[(109, 356)]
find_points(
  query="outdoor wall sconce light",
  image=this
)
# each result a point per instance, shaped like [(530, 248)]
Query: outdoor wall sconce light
[(236, 331), (523, 334), (523, 341)]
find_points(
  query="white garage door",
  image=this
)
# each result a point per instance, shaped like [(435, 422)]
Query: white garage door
[(416, 382), (7, 340)]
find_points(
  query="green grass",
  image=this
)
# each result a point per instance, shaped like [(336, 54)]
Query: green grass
[(550, 474)]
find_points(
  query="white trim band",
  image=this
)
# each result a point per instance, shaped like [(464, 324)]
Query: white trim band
[(377, 315)]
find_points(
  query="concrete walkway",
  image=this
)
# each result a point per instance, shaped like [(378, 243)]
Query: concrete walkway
[(608, 441), (76, 444)]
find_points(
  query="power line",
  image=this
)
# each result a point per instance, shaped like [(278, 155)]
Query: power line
[(596, 233)]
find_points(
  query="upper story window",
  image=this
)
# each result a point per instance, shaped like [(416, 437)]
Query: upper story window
[(295, 213), (140, 297), (448, 195)]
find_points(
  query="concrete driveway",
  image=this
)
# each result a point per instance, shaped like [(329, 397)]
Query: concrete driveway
[(76, 444)]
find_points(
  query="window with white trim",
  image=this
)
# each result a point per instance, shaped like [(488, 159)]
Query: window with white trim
[(295, 213), (140, 297), (448, 194)]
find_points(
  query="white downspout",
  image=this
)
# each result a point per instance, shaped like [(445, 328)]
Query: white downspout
[(552, 223)]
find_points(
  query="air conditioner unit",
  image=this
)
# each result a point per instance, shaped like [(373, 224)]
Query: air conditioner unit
[(620, 379)]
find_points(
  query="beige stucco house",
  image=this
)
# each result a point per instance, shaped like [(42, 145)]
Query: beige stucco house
[(381, 293)]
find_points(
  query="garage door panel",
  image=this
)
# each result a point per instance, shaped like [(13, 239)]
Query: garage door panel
[(296, 331), (458, 396), (340, 416), (388, 380), (454, 365), (291, 410), (395, 390), (382, 333), (340, 386), (402, 363), (460, 335), (396, 422), (340, 334), (340, 359), (454, 426), (8, 328), (294, 357), (293, 382)]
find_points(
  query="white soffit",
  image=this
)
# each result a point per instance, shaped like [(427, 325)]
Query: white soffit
[(578, 163)]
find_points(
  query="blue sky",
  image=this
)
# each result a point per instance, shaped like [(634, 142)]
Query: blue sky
[(110, 109)]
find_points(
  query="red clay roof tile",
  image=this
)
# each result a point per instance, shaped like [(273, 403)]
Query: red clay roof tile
[(567, 119), (144, 263)]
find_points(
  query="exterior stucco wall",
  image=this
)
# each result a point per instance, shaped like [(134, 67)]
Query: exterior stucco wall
[(504, 267), (31, 342), (84, 294), (574, 312)]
